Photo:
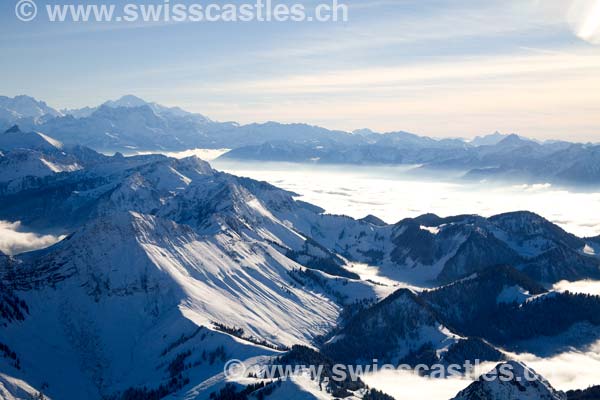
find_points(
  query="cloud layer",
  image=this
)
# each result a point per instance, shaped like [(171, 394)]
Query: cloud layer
[(14, 239)]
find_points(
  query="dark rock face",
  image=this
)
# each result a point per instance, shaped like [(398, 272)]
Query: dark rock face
[(510, 380)]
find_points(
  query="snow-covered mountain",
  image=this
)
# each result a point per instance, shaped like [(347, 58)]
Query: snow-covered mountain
[(14, 138), (160, 250), (512, 159), (170, 268), (423, 249), (131, 284), (133, 124), (522, 239), (488, 140), (30, 155), (130, 123), (130, 101), (430, 248), (127, 128), (511, 380), (24, 107), (194, 257)]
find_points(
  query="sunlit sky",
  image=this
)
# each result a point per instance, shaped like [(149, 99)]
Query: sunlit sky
[(455, 68)]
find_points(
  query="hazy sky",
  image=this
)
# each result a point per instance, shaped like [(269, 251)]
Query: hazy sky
[(434, 67)]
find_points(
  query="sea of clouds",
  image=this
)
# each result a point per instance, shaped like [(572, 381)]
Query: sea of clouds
[(392, 193)]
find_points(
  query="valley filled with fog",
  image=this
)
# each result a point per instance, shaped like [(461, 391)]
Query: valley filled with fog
[(392, 193)]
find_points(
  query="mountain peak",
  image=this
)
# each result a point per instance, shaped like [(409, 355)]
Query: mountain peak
[(127, 100), (13, 129), (364, 132), (373, 220), (14, 139), (514, 140), (510, 380), (488, 140), (23, 106)]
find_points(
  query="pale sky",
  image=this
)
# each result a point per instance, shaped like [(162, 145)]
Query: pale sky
[(445, 68)]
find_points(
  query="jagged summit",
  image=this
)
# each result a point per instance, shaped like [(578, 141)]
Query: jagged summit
[(488, 140)]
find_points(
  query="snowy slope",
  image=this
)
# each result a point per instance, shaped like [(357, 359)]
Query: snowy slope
[(121, 280), (131, 101), (20, 164), (26, 155), (131, 123), (24, 107), (14, 138)]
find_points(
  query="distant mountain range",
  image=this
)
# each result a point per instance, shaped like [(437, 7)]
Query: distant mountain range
[(170, 268), (512, 159), (131, 124)]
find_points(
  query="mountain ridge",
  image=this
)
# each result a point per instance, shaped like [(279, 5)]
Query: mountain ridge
[(170, 268), (131, 124)]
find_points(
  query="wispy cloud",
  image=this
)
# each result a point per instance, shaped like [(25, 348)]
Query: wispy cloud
[(14, 239), (542, 94), (462, 69)]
